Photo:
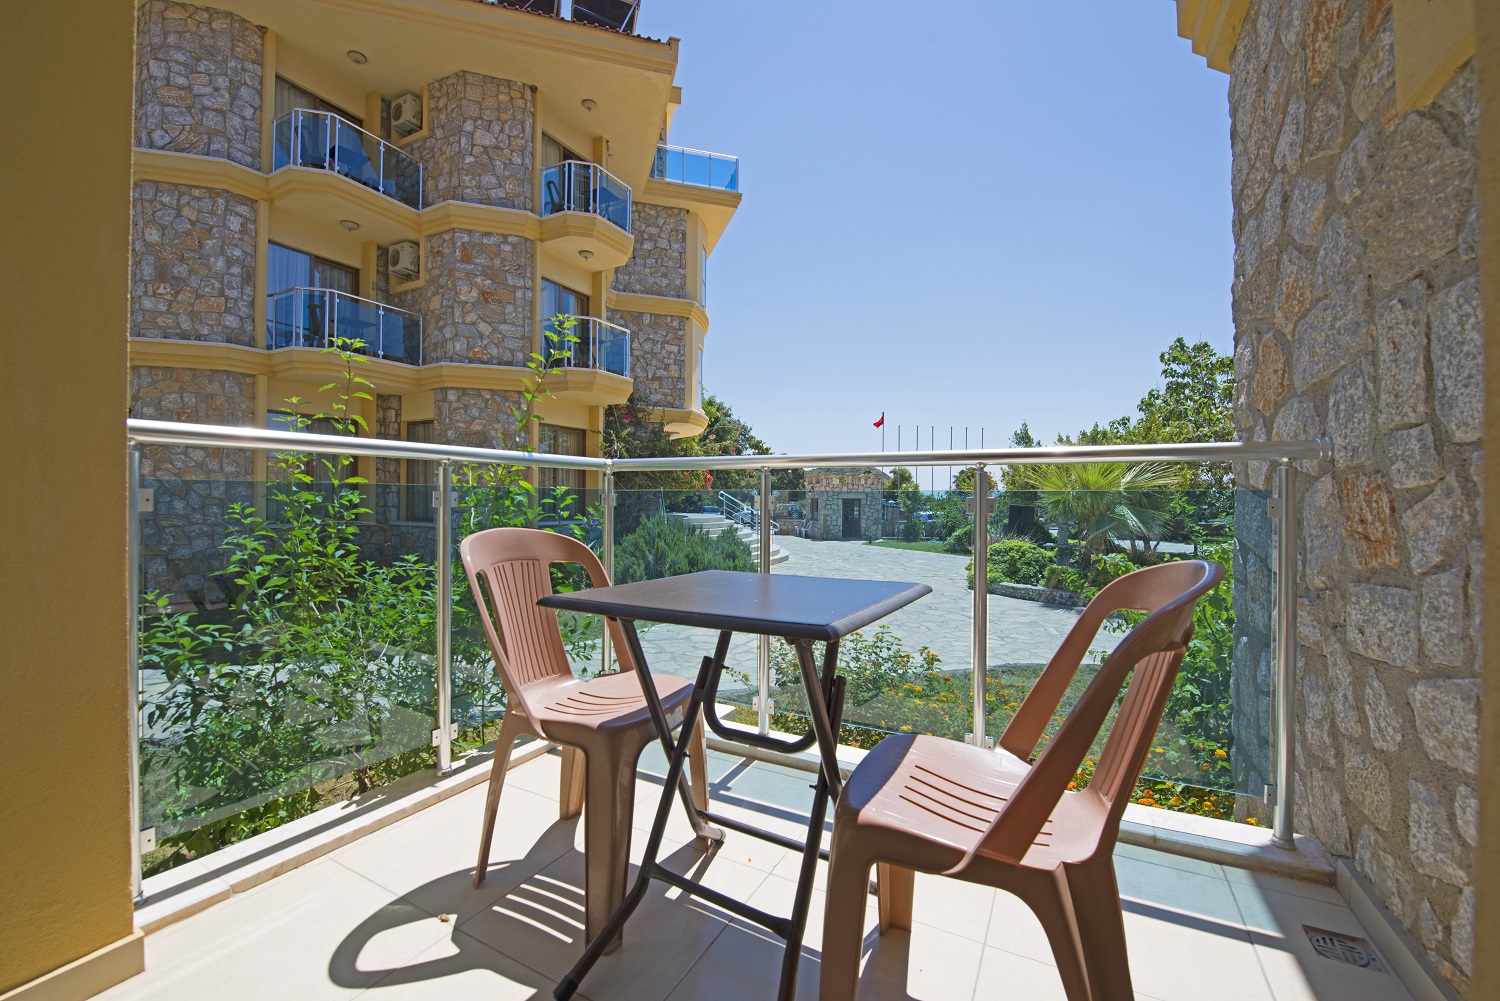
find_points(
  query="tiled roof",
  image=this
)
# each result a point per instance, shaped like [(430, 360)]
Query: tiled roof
[(521, 5)]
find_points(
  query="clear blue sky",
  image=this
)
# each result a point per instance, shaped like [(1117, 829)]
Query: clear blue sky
[(970, 213)]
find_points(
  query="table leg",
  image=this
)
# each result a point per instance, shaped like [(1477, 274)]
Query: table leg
[(818, 700)]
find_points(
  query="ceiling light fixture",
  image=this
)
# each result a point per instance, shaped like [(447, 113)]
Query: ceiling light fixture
[(589, 104), (357, 57), (349, 225), (587, 255)]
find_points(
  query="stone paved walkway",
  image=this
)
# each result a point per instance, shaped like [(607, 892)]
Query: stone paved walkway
[(1021, 632)]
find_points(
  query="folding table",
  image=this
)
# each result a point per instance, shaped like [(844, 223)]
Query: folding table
[(802, 610)]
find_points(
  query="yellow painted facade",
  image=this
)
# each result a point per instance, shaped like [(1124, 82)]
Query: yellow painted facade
[(66, 927)]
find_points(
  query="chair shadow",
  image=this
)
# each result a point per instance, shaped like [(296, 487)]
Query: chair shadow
[(552, 909)]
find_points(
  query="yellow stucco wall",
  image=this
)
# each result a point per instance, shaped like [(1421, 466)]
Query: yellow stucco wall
[(1486, 983), (64, 826)]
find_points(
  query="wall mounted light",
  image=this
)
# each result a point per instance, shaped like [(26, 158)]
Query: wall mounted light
[(357, 57), (589, 104), (349, 225)]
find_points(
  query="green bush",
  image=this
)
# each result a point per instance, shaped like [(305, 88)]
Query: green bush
[(667, 547), (960, 541), (1016, 561)]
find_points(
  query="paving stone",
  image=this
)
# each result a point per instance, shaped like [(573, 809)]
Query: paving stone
[(1351, 405), (1370, 522), (1413, 458), (1434, 847), (1458, 360), (1444, 618), (1412, 212), (1401, 353), (1330, 336), (1436, 526), (1447, 715)]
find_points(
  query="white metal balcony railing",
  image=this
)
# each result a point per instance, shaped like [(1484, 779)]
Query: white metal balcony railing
[(599, 345), (580, 186), (321, 139), (314, 317), (696, 167)]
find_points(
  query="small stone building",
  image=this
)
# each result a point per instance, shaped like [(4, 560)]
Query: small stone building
[(846, 504)]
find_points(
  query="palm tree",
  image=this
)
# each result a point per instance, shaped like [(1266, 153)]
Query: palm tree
[(1104, 502)]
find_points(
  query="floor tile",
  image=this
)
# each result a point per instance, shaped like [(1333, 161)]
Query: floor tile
[(1014, 928), (324, 929), (1186, 957), (462, 966), (1176, 889), (953, 905), (1194, 865)]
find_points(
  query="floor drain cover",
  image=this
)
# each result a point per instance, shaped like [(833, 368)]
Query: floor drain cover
[(1344, 949)]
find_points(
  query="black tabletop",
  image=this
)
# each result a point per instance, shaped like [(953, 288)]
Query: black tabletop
[(815, 608)]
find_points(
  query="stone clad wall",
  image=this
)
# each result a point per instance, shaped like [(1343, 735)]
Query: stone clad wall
[(658, 356), (476, 302), (387, 471), (198, 82), (1357, 315), (658, 264), (192, 264), (476, 418), (479, 149)]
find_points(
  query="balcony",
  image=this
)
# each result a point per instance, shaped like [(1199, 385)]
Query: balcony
[(324, 141), (241, 721), (314, 317), (696, 167), (579, 186), (600, 345)]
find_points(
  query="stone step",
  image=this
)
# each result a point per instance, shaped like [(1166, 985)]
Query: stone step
[(717, 524)]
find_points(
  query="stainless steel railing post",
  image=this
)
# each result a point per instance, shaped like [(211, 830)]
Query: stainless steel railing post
[(133, 667), (1285, 697), (980, 642), (763, 659), (607, 526), (443, 732)]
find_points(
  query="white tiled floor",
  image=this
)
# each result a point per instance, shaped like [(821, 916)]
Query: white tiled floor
[(393, 916)]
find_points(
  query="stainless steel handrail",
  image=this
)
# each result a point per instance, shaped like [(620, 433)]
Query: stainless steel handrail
[(592, 324), (344, 295), (568, 197), (336, 120)]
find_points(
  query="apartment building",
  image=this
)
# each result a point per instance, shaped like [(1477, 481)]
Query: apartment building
[(436, 178)]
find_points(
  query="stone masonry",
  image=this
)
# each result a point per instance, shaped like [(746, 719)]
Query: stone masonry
[(658, 263), (198, 82), (479, 149), (658, 356), (477, 299), (193, 264), (193, 487), (477, 418), (1357, 316), (387, 471)]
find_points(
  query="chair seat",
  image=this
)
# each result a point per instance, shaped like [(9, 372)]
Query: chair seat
[(606, 708), (907, 793)]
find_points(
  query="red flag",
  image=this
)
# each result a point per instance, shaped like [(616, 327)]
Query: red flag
[(881, 422)]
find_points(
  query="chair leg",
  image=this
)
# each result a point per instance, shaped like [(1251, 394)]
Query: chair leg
[(510, 729), (570, 791), (843, 925), (1101, 929), (698, 765), (895, 889), (606, 839), (1048, 897)]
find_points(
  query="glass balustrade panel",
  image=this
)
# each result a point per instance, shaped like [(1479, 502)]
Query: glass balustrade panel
[(286, 647), (612, 198), (612, 350)]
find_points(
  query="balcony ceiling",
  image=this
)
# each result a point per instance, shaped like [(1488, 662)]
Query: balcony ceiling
[(410, 43)]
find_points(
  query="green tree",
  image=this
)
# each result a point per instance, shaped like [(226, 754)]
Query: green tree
[(1104, 503), (901, 479)]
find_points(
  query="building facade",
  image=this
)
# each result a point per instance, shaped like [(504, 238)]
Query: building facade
[(434, 180)]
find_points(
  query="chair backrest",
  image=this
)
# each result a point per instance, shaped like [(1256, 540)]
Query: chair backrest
[(514, 564), (1149, 656)]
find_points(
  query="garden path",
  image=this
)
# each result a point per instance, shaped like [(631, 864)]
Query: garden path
[(1020, 632)]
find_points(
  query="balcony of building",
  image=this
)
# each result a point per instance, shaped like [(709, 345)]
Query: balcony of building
[(321, 140), (375, 890), (586, 211), (319, 318), (696, 167)]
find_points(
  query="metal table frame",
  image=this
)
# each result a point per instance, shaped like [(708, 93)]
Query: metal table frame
[(825, 691)]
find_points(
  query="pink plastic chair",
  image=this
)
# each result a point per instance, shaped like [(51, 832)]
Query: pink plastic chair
[(603, 724), (934, 805)]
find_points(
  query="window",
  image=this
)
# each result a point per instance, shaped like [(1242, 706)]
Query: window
[(316, 466), (555, 440), (300, 319), (421, 478), (289, 97), (560, 299), (554, 152)]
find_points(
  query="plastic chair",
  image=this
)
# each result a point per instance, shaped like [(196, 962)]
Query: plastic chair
[(603, 723), (990, 817)]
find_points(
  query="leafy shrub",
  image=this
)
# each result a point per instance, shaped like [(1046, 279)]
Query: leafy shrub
[(667, 547), (1066, 579), (959, 542), (1016, 561)]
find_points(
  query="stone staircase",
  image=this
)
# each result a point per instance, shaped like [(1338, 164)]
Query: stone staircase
[(715, 524)]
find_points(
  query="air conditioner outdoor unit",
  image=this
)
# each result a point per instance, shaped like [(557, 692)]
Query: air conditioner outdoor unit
[(406, 114), (404, 260)]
